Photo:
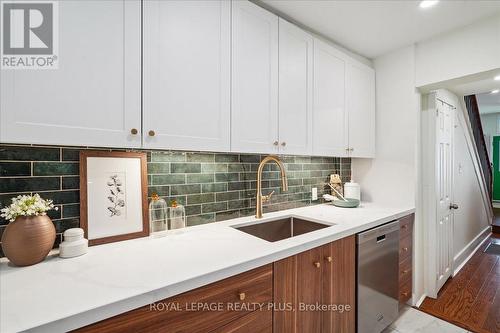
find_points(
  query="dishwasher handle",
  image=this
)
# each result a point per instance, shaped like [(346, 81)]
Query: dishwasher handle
[(379, 233)]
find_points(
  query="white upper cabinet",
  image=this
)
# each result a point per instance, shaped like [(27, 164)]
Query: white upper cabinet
[(93, 98), (186, 92), (329, 117), (360, 106), (254, 120), (295, 89)]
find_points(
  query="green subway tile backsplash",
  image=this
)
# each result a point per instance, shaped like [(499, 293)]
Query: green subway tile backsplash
[(212, 186)]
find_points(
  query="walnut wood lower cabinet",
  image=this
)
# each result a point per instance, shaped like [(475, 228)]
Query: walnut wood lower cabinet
[(324, 276), (405, 258), (321, 276)]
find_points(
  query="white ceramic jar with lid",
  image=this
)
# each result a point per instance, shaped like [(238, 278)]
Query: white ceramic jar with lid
[(74, 244), (352, 190)]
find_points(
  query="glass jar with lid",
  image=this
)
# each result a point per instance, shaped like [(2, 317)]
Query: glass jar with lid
[(177, 215), (158, 213)]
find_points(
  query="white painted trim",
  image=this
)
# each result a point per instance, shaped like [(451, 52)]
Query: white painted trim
[(496, 204), (420, 300), (468, 251)]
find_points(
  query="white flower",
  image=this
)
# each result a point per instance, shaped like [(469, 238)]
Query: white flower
[(26, 205)]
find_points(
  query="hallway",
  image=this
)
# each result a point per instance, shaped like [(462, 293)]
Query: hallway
[(472, 298)]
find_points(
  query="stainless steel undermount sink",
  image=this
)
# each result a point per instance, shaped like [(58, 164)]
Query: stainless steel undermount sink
[(282, 228)]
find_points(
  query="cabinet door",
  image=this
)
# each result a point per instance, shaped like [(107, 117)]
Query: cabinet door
[(360, 106), (295, 89), (187, 74), (254, 120), (329, 121), (339, 285), (93, 98)]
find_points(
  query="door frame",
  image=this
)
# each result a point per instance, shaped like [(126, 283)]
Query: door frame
[(429, 178)]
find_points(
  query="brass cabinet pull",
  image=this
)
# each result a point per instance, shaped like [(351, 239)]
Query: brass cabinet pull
[(347, 149), (317, 264), (405, 249), (151, 133), (405, 294), (242, 296), (329, 259), (404, 226), (275, 143), (134, 131), (283, 144), (351, 149), (405, 271)]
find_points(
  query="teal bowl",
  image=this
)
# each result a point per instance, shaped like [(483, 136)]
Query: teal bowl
[(350, 203)]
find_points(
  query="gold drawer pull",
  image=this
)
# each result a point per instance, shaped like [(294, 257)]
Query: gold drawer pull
[(242, 296), (405, 294), (317, 264), (405, 271), (404, 226), (329, 259), (405, 249)]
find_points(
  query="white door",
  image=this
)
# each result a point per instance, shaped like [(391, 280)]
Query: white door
[(444, 181), (187, 74), (360, 109), (93, 98), (295, 89), (254, 112), (329, 120)]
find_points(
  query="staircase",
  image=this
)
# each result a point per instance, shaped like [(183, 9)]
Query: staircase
[(478, 135)]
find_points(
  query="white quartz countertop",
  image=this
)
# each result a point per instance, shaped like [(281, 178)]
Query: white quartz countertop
[(58, 295)]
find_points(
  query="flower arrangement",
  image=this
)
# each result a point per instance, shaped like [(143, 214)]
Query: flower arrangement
[(27, 205)]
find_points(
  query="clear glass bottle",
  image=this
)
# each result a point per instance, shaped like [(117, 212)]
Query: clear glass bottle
[(177, 215), (158, 211)]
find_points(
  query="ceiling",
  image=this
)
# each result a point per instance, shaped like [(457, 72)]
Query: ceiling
[(373, 27)]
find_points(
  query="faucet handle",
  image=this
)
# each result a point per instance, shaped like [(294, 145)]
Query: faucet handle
[(266, 198)]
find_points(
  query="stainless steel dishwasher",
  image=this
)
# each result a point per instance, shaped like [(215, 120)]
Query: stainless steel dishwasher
[(377, 277)]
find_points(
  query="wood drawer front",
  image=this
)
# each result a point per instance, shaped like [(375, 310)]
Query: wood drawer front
[(405, 291), (405, 270), (255, 322), (406, 226), (405, 247), (257, 285)]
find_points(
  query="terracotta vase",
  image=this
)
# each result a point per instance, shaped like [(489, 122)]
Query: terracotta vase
[(28, 240)]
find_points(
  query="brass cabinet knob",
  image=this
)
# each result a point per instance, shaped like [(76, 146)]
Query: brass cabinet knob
[(347, 149), (151, 133), (404, 226), (329, 259), (405, 294), (405, 271), (317, 264), (351, 149), (283, 144), (275, 143), (134, 131), (242, 296), (405, 249)]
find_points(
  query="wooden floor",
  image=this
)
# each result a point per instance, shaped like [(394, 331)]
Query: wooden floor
[(472, 298)]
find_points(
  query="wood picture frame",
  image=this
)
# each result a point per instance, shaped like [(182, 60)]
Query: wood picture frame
[(95, 156)]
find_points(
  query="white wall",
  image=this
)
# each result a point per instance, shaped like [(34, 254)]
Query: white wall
[(490, 129), (470, 50), (471, 222), (390, 178)]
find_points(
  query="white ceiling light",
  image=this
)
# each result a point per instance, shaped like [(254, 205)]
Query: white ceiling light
[(497, 78), (496, 91), (428, 3)]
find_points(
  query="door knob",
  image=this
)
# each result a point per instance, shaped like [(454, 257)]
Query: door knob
[(134, 131), (151, 133), (453, 206)]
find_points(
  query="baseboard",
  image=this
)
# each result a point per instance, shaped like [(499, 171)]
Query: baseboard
[(420, 300), (496, 204), (467, 252)]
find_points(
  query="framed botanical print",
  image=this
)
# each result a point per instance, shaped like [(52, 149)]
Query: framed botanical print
[(113, 196)]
